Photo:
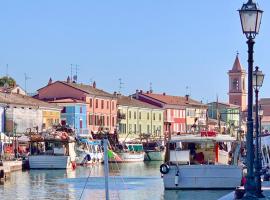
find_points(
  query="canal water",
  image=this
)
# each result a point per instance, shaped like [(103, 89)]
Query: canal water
[(131, 181)]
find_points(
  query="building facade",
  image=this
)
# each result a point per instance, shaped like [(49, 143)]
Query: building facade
[(136, 118), (237, 85), (228, 114), (73, 114), (23, 113), (101, 109), (265, 106)]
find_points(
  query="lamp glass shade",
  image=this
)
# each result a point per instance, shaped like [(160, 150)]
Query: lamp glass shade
[(250, 17), (260, 112), (258, 78)]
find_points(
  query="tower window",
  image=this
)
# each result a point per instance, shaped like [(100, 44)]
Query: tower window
[(236, 84)]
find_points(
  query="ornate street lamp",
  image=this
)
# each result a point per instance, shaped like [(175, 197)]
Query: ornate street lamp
[(258, 78), (250, 17)]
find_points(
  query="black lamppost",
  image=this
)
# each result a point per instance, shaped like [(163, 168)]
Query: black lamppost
[(250, 17), (258, 77)]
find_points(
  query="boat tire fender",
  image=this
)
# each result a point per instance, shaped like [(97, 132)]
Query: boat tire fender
[(164, 169)]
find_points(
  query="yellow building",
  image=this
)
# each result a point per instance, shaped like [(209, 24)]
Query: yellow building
[(50, 117)]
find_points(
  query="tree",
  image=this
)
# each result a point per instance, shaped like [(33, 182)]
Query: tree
[(10, 81)]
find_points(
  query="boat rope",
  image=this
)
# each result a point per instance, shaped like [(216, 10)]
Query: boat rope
[(85, 184), (118, 168), (118, 193)]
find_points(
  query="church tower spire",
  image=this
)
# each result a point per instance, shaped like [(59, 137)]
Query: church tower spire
[(237, 85)]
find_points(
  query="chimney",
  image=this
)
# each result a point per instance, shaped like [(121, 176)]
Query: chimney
[(115, 93), (94, 84), (141, 91), (137, 94), (68, 79), (50, 81), (147, 92), (164, 94), (187, 97)]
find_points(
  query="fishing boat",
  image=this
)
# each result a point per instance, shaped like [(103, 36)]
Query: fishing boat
[(54, 150), (88, 151), (202, 161), (154, 151), (129, 152)]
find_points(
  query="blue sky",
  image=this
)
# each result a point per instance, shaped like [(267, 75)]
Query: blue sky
[(173, 44)]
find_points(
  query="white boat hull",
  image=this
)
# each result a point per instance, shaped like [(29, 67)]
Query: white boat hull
[(129, 157), (50, 162), (154, 156), (203, 177)]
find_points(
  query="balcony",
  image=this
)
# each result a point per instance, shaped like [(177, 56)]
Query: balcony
[(82, 132)]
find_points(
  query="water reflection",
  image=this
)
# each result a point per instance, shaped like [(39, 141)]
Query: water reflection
[(127, 181)]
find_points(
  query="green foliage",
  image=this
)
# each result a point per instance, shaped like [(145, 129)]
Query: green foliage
[(10, 81)]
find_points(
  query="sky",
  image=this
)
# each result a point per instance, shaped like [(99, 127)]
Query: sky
[(179, 46)]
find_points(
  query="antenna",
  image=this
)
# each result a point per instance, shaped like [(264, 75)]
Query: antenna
[(120, 85), (25, 80), (151, 87), (74, 78), (188, 90), (71, 72)]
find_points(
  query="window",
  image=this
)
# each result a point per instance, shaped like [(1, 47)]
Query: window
[(91, 103), (108, 105), (129, 128), (140, 128), (159, 117), (91, 117), (148, 128), (154, 129), (148, 116), (129, 114), (96, 103), (112, 105), (140, 115), (236, 84), (64, 110), (135, 128), (80, 109), (102, 104), (135, 115), (108, 121), (122, 128), (154, 116), (112, 121)]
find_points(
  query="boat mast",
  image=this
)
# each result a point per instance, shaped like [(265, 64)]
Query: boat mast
[(106, 164)]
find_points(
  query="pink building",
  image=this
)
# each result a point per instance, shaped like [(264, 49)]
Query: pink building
[(174, 106), (101, 106)]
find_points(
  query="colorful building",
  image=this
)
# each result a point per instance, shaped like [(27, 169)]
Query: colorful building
[(181, 114), (265, 106), (73, 114), (136, 118), (228, 113), (196, 115), (23, 113), (101, 109)]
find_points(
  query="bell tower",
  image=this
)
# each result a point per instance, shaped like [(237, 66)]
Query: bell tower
[(237, 85)]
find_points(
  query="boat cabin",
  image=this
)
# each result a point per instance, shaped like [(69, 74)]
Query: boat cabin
[(203, 149)]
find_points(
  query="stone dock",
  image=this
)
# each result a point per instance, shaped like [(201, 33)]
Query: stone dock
[(8, 167)]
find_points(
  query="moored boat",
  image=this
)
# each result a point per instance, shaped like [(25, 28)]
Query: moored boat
[(129, 152), (154, 151), (202, 162), (55, 150)]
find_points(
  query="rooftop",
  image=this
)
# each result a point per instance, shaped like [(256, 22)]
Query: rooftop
[(129, 101), (18, 99), (174, 100), (88, 89)]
